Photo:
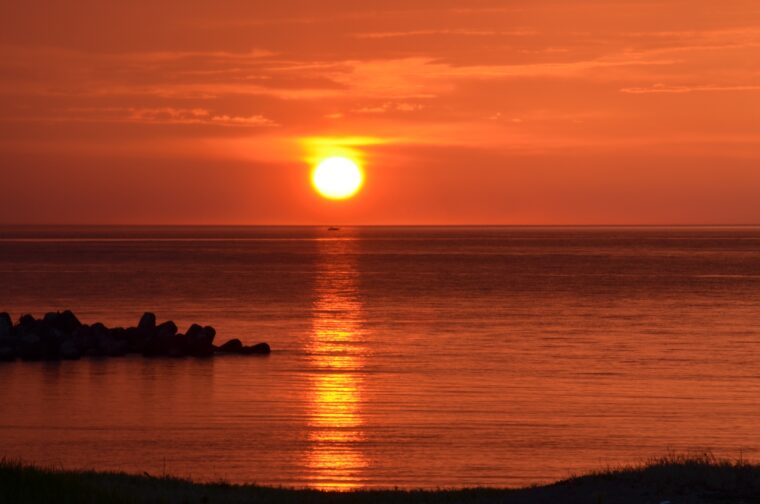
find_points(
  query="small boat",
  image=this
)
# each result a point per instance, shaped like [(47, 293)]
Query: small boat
[(333, 229)]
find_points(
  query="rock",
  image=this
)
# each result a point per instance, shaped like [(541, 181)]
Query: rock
[(194, 331), (168, 328), (260, 349), (61, 335), (83, 339), (163, 341), (36, 339), (135, 339), (155, 347), (99, 331), (200, 340), (30, 347), (205, 351), (51, 319), (108, 342), (48, 341), (6, 327), (68, 322), (147, 322), (236, 347), (57, 337), (7, 353), (178, 346), (118, 333), (118, 346), (69, 350), (232, 346), (115, 348), (145, 333), (26, 322), (65, 322), (100, 339)]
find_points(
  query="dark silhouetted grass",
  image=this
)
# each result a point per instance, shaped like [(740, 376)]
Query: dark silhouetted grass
[(674, 478)]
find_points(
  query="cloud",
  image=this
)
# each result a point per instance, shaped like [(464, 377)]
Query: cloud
[(463, 32), (673, 89), (390, 107), (148, 115), (566, 81), (254, 120), (425, 78)]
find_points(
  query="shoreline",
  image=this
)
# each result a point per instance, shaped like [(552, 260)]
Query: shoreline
[(674, 478)]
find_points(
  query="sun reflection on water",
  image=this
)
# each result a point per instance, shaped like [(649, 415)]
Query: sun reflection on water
[(335, 411)]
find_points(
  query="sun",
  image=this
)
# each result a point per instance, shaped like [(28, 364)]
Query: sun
[(337, 178)]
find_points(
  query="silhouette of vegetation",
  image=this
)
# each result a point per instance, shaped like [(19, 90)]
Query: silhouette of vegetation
[(674, 478)]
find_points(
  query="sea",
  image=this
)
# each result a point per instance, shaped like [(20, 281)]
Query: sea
[(409, 357)]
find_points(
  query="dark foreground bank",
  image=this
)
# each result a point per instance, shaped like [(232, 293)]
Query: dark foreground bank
[(672, 479)]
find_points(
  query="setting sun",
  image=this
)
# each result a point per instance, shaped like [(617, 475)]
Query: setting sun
[(337, 178)]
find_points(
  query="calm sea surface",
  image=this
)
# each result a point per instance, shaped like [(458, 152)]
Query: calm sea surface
[(411, 357)]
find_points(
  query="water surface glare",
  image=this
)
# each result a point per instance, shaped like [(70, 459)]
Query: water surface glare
[(410, 357)]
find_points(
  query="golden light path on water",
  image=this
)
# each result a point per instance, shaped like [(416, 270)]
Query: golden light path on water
[(335, 401)]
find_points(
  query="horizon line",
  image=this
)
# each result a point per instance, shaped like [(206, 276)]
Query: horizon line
[(673, 225)]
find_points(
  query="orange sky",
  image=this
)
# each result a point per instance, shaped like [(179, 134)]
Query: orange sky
[(510, 112)]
